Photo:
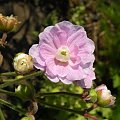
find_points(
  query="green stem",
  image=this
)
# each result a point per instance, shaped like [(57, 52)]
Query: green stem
[(8, 74), (7, 92), (60, 93), (13, 81), (60, 108), (1, 115), (3, 102)]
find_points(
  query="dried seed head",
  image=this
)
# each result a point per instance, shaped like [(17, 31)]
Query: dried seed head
[(8, 23)]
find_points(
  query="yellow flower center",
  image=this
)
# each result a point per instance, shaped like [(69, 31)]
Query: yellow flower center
[(63, 54)]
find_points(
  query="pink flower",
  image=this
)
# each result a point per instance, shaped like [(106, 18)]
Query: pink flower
[(65, 53)]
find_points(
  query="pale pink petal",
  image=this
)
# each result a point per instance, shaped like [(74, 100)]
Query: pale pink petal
[(74, 58), (88, 47), (68, 27), (86, 58), (60, 36), (34, 52), (57, 68), (46, 38), (77, 38), (51, 66), (65, 81), (75, 74), (53, 79), (87, 82), (53, 36), (47, 51), (62, 69), (38, 65)]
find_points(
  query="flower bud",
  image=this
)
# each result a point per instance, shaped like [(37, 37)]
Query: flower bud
[(25, 92), (8, 23), (104, 97), (1, 59), (29, 117), (23, 63)]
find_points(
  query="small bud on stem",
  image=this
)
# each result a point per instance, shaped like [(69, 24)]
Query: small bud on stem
[(23, 63), (104, 97)]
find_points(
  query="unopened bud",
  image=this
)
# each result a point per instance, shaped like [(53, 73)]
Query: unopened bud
[(8, 23), (1, 59), (23, 63), (25, 92), (29, 117), (104, 96)]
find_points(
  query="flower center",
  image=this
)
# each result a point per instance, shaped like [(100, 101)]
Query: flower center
[(63, 54)]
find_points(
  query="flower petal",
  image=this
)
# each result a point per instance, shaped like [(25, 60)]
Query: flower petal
[(57, 68), (77, 37), (47, 51), (53, 79), (65, 81), (34, 52), (87, 82), (75, 74)]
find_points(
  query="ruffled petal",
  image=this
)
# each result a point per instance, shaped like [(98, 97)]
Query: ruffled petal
[(87, 82), (53, 79), (68, 27), (75, 74), (38, 61), (77, 38), (65, 81), (57, 68), (88, 47), (47, 51), (62, 69)]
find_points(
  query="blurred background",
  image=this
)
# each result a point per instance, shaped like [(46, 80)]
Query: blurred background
[(101, 19)]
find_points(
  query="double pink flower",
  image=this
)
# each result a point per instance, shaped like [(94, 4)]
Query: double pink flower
[(65, 53)]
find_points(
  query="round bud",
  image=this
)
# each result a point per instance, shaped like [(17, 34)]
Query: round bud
[(23, 63), (104, 97), (29, 117), (25, 92)]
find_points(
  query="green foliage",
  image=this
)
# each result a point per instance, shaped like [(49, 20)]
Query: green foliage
[(77, 14)]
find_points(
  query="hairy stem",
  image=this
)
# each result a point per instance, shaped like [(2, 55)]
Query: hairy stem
[(8, 74), (3, 102), (7, 92), (59, 107), (59, 93), (13, 81)]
